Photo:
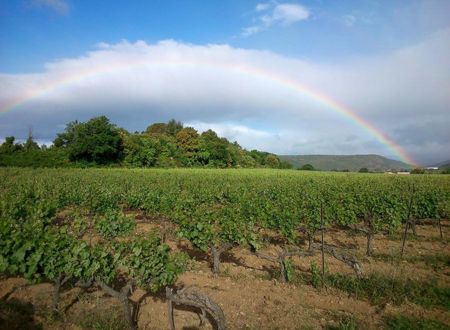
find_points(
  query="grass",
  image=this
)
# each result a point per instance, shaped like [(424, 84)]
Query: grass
[(347, 322), (378, 289), (402, 322), (104, 319)]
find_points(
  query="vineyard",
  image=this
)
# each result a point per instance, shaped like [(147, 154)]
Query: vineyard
[(240, 248)]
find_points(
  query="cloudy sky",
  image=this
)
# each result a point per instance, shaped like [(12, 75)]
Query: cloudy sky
[(307, 77)]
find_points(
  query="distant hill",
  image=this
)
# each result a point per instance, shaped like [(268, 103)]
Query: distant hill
[(442, 165), (345, 162)]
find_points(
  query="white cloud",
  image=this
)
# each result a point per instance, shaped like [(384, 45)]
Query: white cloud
[(282, 14), (59, 6), (262, 6), (246, 95), (248, 31), (286, 14)]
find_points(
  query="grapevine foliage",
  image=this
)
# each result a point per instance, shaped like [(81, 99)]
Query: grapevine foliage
[(212, 209)]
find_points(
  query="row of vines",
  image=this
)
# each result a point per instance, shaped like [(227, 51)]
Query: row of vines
[(45, 215)]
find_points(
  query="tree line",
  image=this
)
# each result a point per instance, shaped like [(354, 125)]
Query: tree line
[(98, 142)]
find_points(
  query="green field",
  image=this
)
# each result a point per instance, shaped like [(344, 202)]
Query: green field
[(78, 225)]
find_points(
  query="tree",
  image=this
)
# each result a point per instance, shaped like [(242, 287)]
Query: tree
[(363, 170), (156, 129), (68, 136), (97, 141), (272, 161), (214, 151), (286, 165), (307, 167), (140, 150), (187, 139), (188, 142), (418, 171), (258, 156), (173, 127), (8, 146), (30, 144), (168, 152)]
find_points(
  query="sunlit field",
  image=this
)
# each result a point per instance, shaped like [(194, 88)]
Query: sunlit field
[(253, 236)]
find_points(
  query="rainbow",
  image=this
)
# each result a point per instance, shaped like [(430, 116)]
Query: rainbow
[(287, 82)]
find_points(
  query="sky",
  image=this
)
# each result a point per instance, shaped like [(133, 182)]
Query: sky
[(289, 77)]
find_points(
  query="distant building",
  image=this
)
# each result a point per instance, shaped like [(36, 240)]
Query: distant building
[(432, 168)]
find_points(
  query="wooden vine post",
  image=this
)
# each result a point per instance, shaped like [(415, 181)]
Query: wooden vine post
[(440, 228), (322, 249), (408, 220)]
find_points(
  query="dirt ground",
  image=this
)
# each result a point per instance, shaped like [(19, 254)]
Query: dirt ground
[(248, 290)]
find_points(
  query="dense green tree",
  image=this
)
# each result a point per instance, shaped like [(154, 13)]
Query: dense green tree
[(247, 161), (169, 153), (9, 146), (307, 167), (67, 137), (141, 150), (272, 161), (258, 156), (96, 140), (156, 129), (173, 127), (214, 150), (363, 170)]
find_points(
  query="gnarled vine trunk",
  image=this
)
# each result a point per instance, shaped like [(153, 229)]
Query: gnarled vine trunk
[(59, 283), (216, 253), (123, 296), (194, 298)]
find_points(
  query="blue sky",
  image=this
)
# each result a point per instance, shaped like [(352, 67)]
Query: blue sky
[(352, 51), (34, 32)]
